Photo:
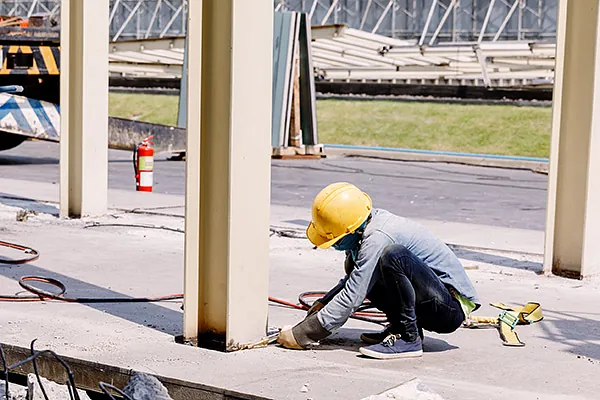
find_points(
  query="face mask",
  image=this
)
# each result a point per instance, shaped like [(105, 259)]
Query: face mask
[(349, 242)]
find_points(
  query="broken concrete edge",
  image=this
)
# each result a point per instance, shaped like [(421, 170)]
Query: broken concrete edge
[(89, 374), (536, 166), (411, 389)]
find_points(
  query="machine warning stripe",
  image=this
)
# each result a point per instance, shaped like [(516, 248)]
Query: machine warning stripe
[(46, 60), (56, 56), (29, 117), (49, 60), (39, 61), (10, 112), (3, 69), (43, 117), (23, 49)]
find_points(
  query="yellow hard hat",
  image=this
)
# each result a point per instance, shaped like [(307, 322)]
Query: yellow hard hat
[(337, 211)]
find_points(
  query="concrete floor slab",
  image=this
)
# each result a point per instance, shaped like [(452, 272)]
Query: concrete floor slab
[(561, 358)]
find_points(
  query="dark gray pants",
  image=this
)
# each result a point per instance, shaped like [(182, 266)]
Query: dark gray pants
[(412, 295)]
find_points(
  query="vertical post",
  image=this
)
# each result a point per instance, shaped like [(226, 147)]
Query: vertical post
[(228, 172), (393, 33), (573, 216), (84, 107), (191, 100), (540, 15), (416, 16), (520, 22), (455, 21), (473, 17)]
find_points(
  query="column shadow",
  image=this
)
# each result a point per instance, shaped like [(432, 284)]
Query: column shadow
[(152, 315), (34, 206)]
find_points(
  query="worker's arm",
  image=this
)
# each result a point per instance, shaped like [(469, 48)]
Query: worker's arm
[(323, 301), (319, 325), (355, 289), (335, 290)]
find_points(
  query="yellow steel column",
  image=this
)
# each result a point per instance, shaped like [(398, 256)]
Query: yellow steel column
[(573, 218), (84, 107), (228, 171)]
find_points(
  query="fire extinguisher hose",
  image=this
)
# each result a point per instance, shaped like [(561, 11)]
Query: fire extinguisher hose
[(135, 160)]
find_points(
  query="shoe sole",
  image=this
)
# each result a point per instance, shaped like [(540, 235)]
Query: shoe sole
[(381, 356)]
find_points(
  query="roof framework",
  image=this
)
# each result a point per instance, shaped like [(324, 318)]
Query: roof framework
[(428, 21), (469, 42)]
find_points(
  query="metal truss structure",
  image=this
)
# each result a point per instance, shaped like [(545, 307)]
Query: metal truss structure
[(427, 21), (27, 8), (472, 42), (129, 19), (432, 21)]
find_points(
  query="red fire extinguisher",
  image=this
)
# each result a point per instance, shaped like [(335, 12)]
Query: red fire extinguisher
[(143, 164)]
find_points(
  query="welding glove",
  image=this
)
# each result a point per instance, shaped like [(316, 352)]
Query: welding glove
[(303, 334)]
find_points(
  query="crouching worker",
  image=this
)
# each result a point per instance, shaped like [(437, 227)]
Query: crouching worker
[(406, 272)]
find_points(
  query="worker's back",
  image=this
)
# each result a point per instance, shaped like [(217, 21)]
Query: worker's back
[(422, 243)]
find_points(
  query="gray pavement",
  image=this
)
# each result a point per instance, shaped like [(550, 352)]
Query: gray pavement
[(433, 191)]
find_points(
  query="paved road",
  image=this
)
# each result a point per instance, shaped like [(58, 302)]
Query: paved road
[(447, 192)]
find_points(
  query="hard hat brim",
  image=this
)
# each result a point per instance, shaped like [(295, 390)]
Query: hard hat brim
[(321, 241)]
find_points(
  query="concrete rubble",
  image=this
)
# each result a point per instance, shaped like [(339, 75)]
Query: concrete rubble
[(15, 392), (33, 390), (123, 255), (146, 387), (53, 390), (140, 387)]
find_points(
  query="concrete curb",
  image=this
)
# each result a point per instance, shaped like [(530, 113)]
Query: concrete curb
[(535, 166)]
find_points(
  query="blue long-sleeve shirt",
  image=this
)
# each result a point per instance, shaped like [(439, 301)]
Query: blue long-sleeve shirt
[(384, 229)]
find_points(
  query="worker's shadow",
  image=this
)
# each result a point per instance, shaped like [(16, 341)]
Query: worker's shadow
[(349, 339)]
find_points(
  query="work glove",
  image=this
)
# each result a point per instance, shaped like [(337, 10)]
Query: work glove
[(302, 335), (315, 308), (286, 338)]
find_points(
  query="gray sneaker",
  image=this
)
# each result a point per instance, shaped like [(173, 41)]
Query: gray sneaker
[(378, 337), (394, 347)]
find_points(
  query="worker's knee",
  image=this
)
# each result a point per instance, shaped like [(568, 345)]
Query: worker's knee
[(393, 256)]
